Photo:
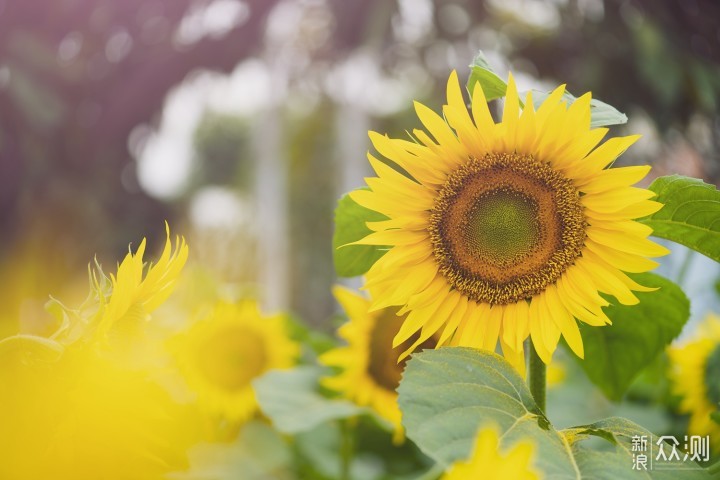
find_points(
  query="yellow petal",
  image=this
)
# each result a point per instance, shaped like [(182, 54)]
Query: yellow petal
[(511, 116), (617, 199), (492, 327), (564, 321), (526, 134), (433, 325), (612, 178), (354, 305), (625, 261), (516, 357), (453, 322), (535, 324), (481, 114), (458, 117), (415, 321), (602, 156), (637, 210), (416, 164), (626, 243)]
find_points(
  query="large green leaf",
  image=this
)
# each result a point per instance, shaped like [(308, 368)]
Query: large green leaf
[(258, 453), (350, 226), (616, 353), (691, 215), (446, 395), (290, 398), (618, 463), (480, 72)]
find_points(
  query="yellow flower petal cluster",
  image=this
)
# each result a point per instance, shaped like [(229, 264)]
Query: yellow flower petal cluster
[(72, 409), (136, 295), (695, 367), (221, 354), (488, 463), (368, 370), (509, 230)]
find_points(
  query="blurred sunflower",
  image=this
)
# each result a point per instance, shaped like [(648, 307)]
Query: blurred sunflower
[(72, 413), (487, 462), (369, 371), (83, 410), (695, 375), (220, 355), (506, 230), (134, 295)]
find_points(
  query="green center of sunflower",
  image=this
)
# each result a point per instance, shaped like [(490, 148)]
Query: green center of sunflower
[(231, 358), (712, 376), (383, 366), (505, 227), (502, 226)]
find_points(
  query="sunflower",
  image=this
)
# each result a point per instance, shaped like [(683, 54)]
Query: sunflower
[(369, 372), (487, 462), (72, 413), (695, 375), (134, 295), (508, 230), (223, 353)]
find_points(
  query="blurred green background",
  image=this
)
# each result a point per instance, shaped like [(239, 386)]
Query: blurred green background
[(242, 122)]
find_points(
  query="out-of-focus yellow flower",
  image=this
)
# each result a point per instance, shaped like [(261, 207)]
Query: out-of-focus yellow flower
[(695, 374), (73, 409), (134, 295), (221, 354), (73, 414), (369, 369), (489, 463)]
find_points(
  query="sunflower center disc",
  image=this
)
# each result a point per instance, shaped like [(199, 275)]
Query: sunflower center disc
[(232, 358), (502, 226), (712, 373), (506, 226)]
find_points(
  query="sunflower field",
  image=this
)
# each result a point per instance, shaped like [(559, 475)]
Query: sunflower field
[(320, 240)]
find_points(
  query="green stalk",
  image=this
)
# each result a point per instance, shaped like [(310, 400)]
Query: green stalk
[(537, 377), (347, 447), (685, 266)]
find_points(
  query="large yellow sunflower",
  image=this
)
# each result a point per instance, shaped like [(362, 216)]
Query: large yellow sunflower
[(221, 355), (487, 462), (369, 372), (506, 230), (695, 376)]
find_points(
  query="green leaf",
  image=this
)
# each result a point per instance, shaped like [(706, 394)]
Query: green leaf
[(28, 350), (615, 354), (716, 417), (480, 71), (446, 395), (601, 113), (258, 453), (291, 400), (691, 215), (618, 464), (350, 226)]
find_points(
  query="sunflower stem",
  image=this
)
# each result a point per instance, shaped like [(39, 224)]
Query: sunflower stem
[(537, 377), (347, 447), (685, 266)]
